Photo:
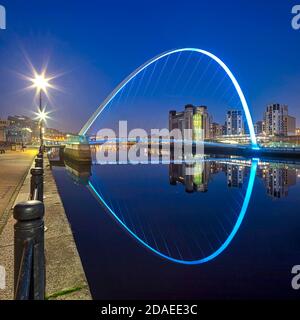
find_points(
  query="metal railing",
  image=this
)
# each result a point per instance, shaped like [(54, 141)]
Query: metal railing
[(29, 255)]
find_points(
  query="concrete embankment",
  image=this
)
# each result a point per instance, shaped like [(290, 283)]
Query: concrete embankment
[(65, 278)]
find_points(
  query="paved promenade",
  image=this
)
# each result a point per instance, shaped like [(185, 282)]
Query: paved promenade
[(14, 166), (65, 278)]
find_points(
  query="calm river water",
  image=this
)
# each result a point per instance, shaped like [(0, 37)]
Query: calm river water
[(210, 228)]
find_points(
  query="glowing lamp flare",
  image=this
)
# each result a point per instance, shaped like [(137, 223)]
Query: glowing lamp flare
[(40, 82), (42, 115)]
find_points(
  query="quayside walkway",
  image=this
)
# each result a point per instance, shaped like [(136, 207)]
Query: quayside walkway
[(14, 166), (65, 277)]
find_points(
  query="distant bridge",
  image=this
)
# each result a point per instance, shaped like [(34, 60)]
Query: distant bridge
[(123, 84), (219, 146)]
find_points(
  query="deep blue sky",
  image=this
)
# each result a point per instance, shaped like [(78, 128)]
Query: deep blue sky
[(98, 43)]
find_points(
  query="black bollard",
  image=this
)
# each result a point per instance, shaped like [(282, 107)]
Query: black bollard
[(39, 163), (37, 184), (40, 155), (29, 256)]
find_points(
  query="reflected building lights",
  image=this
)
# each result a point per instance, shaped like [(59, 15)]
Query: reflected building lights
[(194, 176), (235, 176), (277, 180)]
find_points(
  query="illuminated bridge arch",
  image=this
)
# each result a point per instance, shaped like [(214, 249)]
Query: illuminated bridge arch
[(211, 256), (104, 104)]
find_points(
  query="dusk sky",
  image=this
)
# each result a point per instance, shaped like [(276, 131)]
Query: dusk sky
[(94, 45)]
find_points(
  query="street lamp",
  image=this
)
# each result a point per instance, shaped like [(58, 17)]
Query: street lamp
[(41, 83)]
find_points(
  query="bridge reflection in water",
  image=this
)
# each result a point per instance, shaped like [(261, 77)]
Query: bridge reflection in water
[(168, 221)]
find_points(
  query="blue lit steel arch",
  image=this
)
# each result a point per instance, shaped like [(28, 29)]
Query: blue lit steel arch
[(96, 114), (209, 257)]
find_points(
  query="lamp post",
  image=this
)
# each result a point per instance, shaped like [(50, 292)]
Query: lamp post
[(41, 123), (41, 83)]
